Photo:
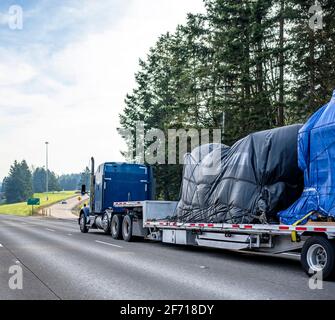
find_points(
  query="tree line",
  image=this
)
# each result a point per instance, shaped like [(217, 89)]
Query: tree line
[(22, 182), (242, 66)]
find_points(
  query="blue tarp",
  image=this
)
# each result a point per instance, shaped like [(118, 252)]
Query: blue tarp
[(316, 158)]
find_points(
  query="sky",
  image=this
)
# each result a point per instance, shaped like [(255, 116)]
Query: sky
[(64, 75)]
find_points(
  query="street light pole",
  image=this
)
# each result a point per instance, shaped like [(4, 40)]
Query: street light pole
[(47, 169)]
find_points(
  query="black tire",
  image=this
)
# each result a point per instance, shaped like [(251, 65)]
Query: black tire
[(106, 223), (318, 254), (82, 224), (116, 226), (127, 229)]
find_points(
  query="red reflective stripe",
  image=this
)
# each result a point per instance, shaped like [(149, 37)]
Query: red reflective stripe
[(211, 225), (235, 226), (300, 228), (192, 224), (201, 225), (248, 227), (284, 228), (320, 229)]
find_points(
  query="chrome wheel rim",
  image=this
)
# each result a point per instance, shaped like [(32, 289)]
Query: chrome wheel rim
[(105, 222), (317, 257)]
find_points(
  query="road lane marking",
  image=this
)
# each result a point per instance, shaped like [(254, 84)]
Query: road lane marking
[(69, 234), (1, 245), (108, 244), (50, 230)]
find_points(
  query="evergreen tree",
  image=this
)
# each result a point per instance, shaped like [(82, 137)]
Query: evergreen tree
[(39, 181), (69, 182), (313, 60), (256, 64), (18, 184)]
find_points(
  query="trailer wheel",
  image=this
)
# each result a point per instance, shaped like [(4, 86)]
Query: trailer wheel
[(318, 256), (82, 223), (116, 226), (105, 224), (127, 228)]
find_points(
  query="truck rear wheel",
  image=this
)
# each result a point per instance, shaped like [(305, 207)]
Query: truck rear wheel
[(82, 223), (116, 226), (318, 257), (127, 228)]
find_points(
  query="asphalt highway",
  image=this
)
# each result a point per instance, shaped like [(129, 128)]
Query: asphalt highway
[(58, 262)]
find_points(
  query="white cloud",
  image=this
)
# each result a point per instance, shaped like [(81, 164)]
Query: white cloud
[(13, 72), (73, 97)]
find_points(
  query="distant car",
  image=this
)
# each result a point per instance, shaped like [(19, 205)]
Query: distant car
[(64, 202)]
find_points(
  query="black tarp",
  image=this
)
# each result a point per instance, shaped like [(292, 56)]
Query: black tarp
[(246, 183)]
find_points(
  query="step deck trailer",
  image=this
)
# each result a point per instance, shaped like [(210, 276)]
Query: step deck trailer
[(315, 241)]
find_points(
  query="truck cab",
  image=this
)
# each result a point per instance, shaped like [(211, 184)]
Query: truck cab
[(115, 182), (121, 182)]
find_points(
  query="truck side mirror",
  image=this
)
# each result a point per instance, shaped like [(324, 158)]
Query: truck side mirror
[(83, 189)]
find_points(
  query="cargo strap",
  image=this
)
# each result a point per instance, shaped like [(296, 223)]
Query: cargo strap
[(294, 236)]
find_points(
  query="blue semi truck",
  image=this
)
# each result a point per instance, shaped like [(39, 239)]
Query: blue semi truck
[(115, 182), (122, 204)]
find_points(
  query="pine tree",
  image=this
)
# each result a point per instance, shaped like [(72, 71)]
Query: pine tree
[(18, 184), (39, 181), (254, 64), (313, 59)]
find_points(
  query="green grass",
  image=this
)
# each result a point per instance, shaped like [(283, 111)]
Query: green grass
[(22, 209)]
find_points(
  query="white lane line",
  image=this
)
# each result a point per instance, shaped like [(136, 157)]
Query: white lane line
[(108, 244), (69, 234), (1, 245), (50, 230)]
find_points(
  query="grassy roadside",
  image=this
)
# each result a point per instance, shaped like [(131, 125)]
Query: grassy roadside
[(22, 209)]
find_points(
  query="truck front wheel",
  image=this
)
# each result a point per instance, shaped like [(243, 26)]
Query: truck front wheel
[(106, 223), (82, 223), (127, 229), (318, 257), (116, 226)]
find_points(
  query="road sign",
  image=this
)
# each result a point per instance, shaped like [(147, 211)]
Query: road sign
[(33, 202)]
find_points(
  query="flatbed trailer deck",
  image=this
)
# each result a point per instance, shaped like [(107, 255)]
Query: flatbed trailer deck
[(315, 241)]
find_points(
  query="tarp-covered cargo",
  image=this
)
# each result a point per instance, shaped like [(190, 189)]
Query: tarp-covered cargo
[(246, 183), (316, 156)]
